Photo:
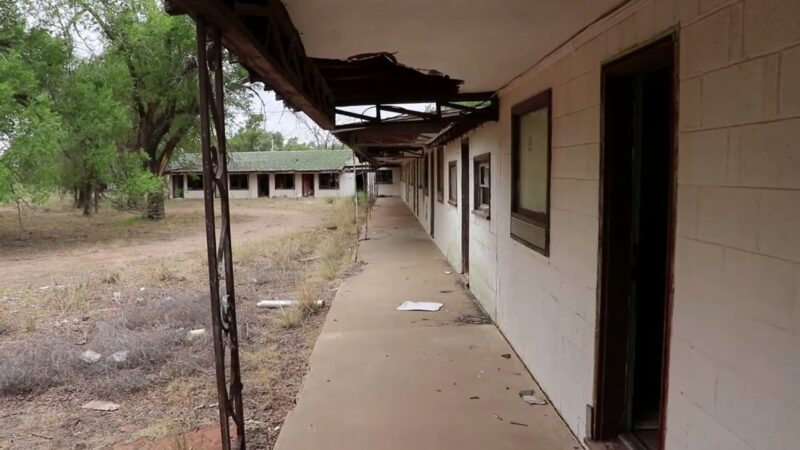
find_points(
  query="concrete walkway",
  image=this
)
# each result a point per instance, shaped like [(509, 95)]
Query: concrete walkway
[(383, 379)]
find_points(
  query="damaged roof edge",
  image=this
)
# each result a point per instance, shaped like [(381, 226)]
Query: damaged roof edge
[(265, 41)]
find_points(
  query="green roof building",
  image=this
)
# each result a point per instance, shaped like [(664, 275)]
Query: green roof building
[(305, 173)]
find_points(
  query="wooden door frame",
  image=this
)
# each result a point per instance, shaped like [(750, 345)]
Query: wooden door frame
[(303, 178), (607, 403), (432, 187), (465, 202)]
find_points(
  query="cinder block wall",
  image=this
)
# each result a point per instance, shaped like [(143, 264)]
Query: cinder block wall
[(734, 361), (736, 319)]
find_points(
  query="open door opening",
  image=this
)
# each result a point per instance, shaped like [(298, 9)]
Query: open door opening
[(465, 204), (177, 186), (308, 184), (263, 185), (638, 189)]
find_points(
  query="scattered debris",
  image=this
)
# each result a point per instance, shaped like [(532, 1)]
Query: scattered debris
[(195, 334), (506, 355), (90, 356), (474, 397), (119, 357), (446, 291), (142, 289), (332, 227), (520, 424), (531, 397), (283, 303), (448, 272), (117, 296), (100, 405), (419, 306), (310, 258)]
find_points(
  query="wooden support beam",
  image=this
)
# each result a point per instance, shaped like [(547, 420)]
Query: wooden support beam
[(363, 117), (280, 62), (410, 112)]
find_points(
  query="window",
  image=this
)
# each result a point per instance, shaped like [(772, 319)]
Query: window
[(194, 182), (440, 173), (238, 181), (452, 183), (426, 162), (483, 184), (530, 166), (284, 181), (329, 181), (384, 176)]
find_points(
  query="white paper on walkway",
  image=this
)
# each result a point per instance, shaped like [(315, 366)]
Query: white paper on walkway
[(419, 306)]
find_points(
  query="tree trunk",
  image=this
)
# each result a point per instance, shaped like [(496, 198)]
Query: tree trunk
[(155, 206), (86, 199), (96, 200)]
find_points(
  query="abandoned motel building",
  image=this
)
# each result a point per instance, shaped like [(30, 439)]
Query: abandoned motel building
[(292, 174), (617, 181)]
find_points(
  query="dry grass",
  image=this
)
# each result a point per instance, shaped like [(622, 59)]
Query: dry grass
[(334, 254), (161, 272), (152, 336)]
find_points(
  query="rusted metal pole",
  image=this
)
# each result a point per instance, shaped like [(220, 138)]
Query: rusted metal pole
[(223, 315), (229, 306)]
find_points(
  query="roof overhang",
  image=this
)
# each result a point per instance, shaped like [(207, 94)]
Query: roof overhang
[(388, 141), (470, 49)]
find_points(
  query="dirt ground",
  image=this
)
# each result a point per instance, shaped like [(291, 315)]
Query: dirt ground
[(113, 282), (56, 241)]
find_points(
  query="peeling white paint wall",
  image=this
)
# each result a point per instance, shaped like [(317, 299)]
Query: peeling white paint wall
[(734, 359)]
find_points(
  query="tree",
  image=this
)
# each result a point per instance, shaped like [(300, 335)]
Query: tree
[(157, 52), (93, 121), (252, 137), (321, 138), (31, 72)]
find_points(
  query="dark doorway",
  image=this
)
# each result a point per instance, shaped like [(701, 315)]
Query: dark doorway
[(432, 171), (465, 210), (177, 186), (308, 184), (263, 185), (638, 189), (360, 184)]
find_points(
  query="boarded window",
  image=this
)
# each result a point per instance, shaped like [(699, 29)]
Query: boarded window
[(329, 181), (194, 182), (530, 164), (238, 181), (452, 183), (482, 183), (385, 176), (284, 181)]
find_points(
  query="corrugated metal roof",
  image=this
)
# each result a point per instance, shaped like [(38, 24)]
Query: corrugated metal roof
[(278, 161)]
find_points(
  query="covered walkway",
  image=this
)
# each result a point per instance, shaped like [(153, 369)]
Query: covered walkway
[(383, 379)]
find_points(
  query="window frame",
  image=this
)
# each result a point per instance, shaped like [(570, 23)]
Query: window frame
[(481, 208), (283, 188), (532, 104), (381, 171), (240, 176), (439, 170), (452, 182), (328, 187), (194, 177), (426, 161)]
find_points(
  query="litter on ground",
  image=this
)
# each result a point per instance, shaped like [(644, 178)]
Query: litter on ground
[(419, 306), (282, 303), (100, 405)]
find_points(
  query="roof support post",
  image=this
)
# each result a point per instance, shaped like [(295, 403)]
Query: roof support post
[(221, 288)]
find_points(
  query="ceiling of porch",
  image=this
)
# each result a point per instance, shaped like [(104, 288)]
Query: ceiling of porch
[(485, 43)]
